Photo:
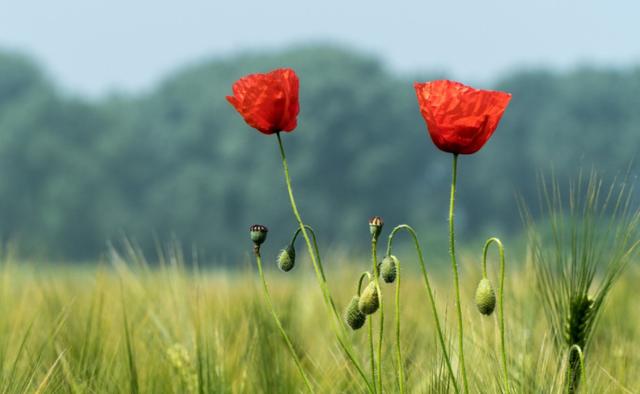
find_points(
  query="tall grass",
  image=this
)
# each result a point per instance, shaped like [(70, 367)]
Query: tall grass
[(591, 236), (122, 326)]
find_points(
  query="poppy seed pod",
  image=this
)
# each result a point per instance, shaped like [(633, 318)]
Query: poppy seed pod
[(485, 297), (369, 300), (389, 269), (287, 258), (375, 226), (258, 233), (352, 315)]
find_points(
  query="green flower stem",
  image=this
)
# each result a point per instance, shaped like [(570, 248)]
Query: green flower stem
[(398, 350), (317, 266), (279, 324), (432, 301), (495, 240), (367, 275), (341, 341), (583, 378), (376, 279), (372, 358), (454, 267)]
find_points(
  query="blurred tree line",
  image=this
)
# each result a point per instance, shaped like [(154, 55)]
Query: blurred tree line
[(178, 163)]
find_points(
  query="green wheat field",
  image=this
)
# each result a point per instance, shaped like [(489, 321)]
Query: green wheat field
[(124, 326)]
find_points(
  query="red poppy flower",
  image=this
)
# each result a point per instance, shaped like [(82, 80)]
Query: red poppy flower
[(460, 119), (268, 102)]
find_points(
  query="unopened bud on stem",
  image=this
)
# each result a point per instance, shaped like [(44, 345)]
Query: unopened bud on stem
[(287, 258), (352, 315), (485, 297), (389, 269), (369, 300)]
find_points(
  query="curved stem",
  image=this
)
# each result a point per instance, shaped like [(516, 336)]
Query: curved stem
[(432, 301), (497, 241), (376, 279), (279, 324), (583, 378), (454, 267), (365, 274), (320, 276), (316, 250)]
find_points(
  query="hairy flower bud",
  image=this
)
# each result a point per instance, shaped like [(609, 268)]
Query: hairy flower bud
[(352, 315), (389, 269), (369, 300), (258, 233), (287, 258), (375, 226), (485, 297)]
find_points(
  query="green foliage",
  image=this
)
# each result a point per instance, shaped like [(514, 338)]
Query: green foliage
[(177, 162)]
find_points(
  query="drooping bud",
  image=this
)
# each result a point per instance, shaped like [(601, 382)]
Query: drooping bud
[(258, 233), (352, 315), (375, 226), (287, 258), (388, 268), (369, 300), (485, 297)]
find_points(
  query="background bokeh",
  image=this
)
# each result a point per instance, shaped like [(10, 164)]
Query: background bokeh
[(113, 121)]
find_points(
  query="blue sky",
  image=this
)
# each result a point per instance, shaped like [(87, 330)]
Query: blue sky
[(92, 47)]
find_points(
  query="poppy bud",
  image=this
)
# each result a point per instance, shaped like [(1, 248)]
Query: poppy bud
[(485, 297), (388, 268), (375, 226), (258, 233), (352, 315), (369, 300), (287, 258)]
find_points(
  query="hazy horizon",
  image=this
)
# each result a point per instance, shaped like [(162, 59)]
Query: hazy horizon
[(93, 49)]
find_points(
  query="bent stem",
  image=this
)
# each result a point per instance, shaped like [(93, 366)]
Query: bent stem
[(427, 284), (278, 323), (365, 274), (376, 279), (314, 255), (571, 387), (454, 267), (497, 241)]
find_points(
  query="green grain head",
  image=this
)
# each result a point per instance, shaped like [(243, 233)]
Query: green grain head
[(578, 320)]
